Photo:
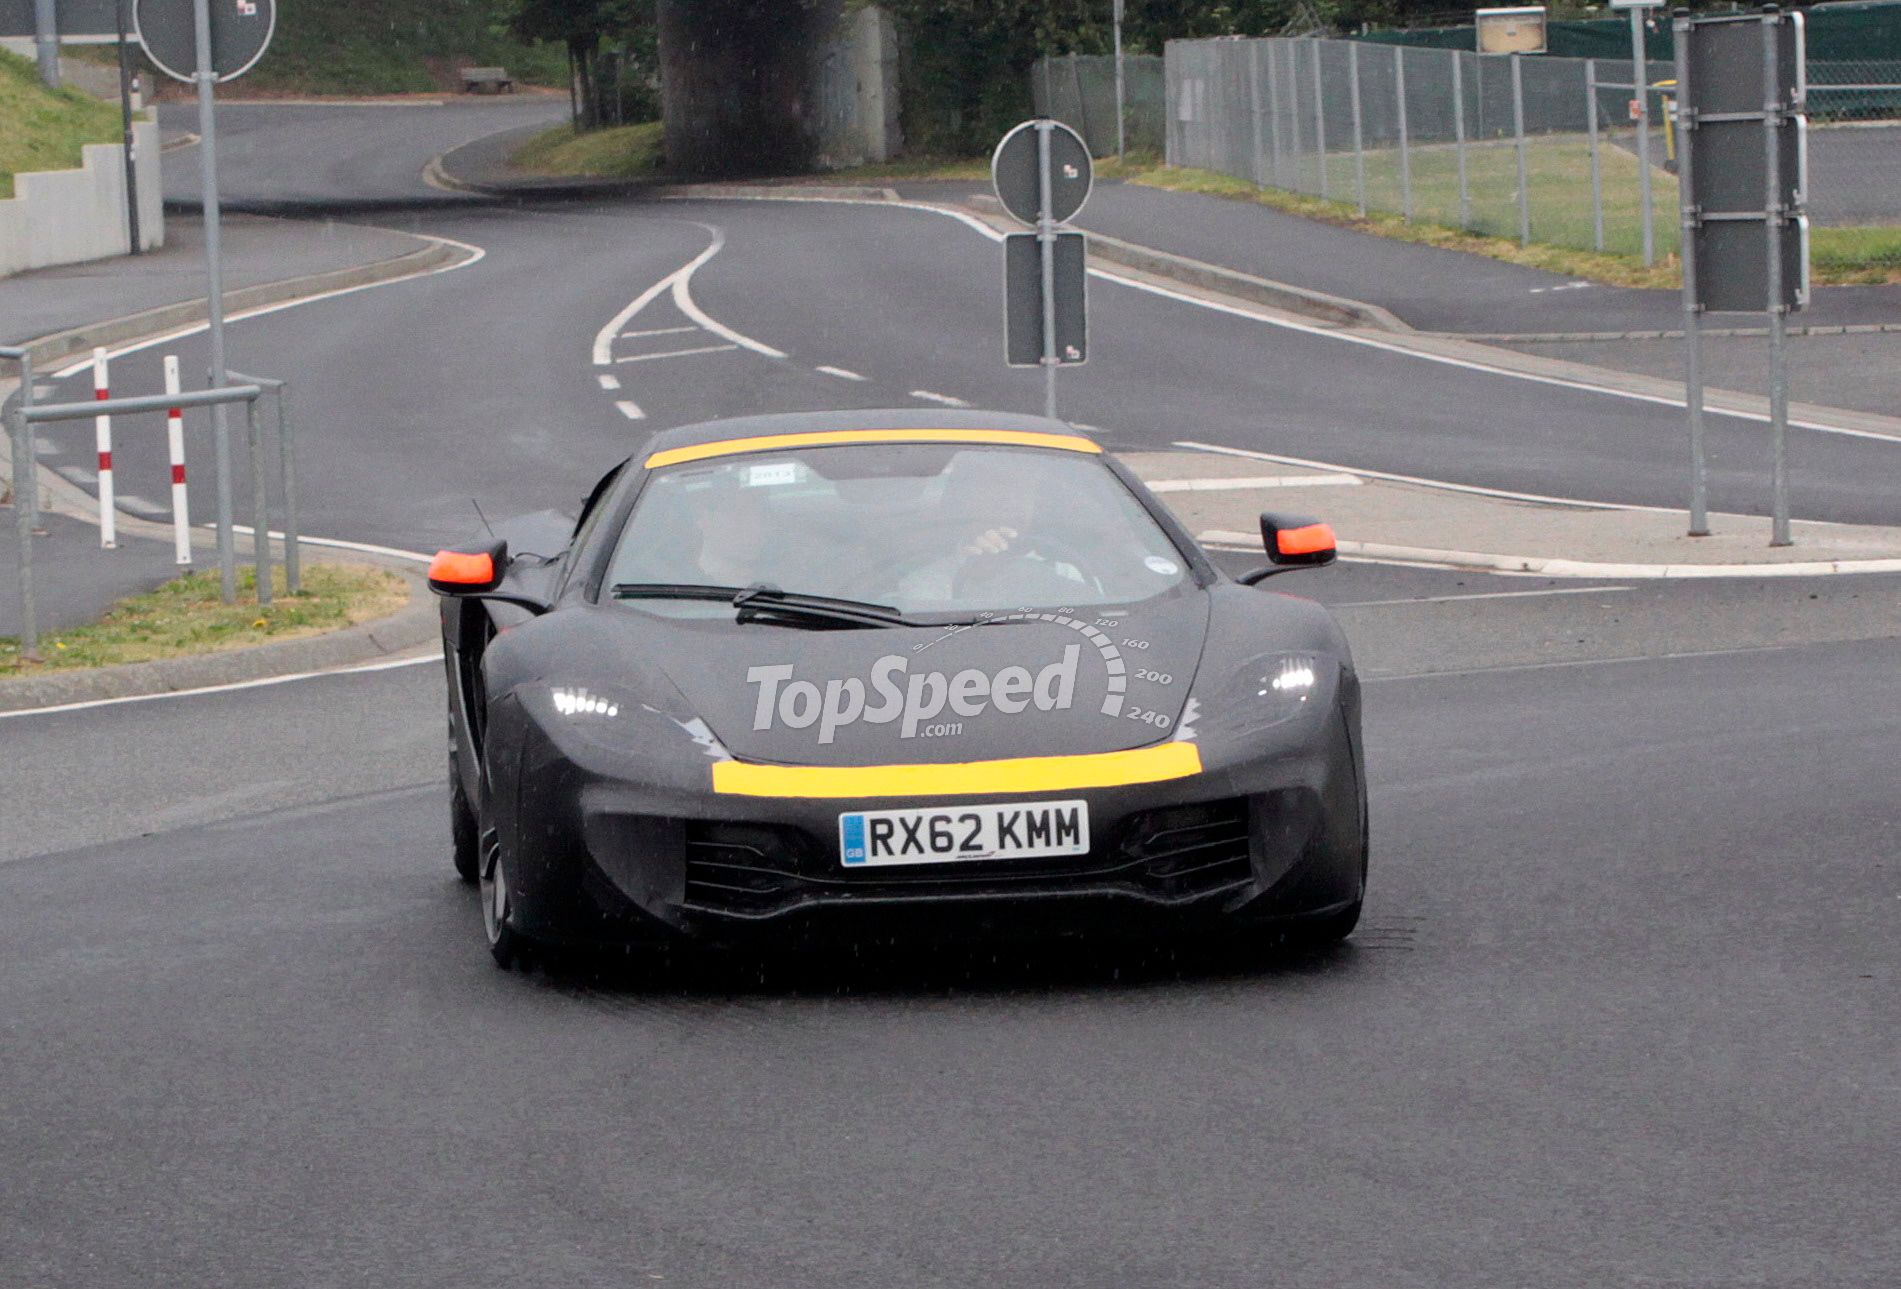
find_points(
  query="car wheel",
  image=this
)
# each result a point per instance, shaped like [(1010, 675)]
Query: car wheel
[(462, 827), (510, 947), (1321, 931)]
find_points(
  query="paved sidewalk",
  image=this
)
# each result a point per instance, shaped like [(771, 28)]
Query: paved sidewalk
[(256, 250), (74, 579), (1427, 287), (1423, 523)]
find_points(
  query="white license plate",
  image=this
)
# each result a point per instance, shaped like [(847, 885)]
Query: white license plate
[(1027, 829)]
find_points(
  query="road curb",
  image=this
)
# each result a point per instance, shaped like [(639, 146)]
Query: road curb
[(1555, 566), (50, 349), (416, 623)]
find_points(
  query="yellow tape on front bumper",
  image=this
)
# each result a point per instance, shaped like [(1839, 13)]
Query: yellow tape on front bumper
[(967, 778)]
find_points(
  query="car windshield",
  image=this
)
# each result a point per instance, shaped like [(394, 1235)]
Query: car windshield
[(923, 528)]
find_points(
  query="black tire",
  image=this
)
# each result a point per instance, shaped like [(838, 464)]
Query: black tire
[(462, 827), (509, 947), (1321, 931)]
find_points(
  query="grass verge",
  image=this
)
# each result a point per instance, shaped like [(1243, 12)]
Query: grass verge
[(619, 152), (43, 129), (185, 616)]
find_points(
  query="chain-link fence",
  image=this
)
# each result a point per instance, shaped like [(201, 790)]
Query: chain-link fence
[(1534, 148), (1080, 91)]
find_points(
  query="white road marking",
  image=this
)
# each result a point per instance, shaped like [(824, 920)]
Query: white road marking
[(608, 381), (945, 399), (1487, 595), (477, 255), (390, 665), (841, 373), (1257, 481), (655, 331), (1472, 488), (630, 409), (367, 548), (676, 353), (676, 282)]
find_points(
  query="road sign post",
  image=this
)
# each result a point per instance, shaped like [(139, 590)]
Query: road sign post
[(204, 42), (1042, 173), (1742, 160)]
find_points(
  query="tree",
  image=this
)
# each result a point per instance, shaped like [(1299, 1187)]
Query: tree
[(583, 26)]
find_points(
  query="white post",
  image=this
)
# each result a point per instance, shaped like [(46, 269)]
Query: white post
[(102, 433), (175, 445)]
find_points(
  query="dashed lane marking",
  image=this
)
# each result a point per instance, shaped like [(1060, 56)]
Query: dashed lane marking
[(841, 373), (630, 409), (609, 382), (655, 331), (945, 399)]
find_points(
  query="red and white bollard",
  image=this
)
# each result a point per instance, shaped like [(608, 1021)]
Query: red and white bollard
[(102, 431), (175, 443)]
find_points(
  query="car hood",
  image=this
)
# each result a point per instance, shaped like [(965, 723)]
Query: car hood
[(1039, 683)]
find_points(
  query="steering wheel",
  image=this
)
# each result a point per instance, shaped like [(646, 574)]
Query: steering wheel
[(1053, 549)]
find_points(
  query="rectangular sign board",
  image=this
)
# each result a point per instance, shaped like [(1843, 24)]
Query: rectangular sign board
[(1023, 300), (82, 20), (1511, 31)]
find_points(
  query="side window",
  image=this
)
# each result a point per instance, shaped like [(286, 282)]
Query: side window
[(591, 508)]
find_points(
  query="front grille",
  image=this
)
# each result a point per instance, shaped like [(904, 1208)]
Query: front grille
[(1169, 856)]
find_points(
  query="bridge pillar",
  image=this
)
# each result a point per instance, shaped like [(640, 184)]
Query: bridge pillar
[(738, 84)]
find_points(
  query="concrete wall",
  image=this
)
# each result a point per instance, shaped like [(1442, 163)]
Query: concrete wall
[(69, 216), (855, 84)]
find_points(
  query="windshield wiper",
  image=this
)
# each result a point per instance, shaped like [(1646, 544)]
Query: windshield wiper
[(763, 601)]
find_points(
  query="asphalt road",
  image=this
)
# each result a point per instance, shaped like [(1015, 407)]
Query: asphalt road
[(1623, 1010)]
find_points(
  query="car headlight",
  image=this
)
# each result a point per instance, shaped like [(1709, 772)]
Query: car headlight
[(1272, 689), (1286, 685), (617, 718)]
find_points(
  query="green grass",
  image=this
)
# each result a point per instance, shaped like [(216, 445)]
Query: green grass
[(186, 616), (42, 129), (619, 152)]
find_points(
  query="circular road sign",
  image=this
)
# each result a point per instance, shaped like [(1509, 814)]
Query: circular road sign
[(240, 33), (1014, 173)]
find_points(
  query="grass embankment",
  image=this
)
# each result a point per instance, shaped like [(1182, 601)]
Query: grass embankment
[(1558, 184), (620, 152), (43, 129), (186, 616)]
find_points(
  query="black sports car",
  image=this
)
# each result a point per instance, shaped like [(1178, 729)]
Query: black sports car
[(801, 671)]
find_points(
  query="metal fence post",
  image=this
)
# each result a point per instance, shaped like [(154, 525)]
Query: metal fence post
[(1359, 143), (260, 508), (1597, 174), (1518, 135), (1122, 134), (1320, 117), (1458, 137), (1082, 104), (1274, 128), (26, 474), (1778, 311), (1293, 107), (1640, 82), (1254, 112), (18, 431), (1405, 153), (1692, 332), (287, 474)]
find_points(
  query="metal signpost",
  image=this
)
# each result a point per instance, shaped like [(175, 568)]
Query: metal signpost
[(204, 42), (1742, 162), (1043, 175), (1640, 84)]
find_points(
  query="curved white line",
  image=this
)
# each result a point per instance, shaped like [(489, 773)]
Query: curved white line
[(261, 683), (678, 283), (476, 256)]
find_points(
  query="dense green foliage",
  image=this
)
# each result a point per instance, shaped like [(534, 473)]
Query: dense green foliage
[(397, 46)]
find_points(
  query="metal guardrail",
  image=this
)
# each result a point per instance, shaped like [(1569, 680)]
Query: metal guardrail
[(24, 414)]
